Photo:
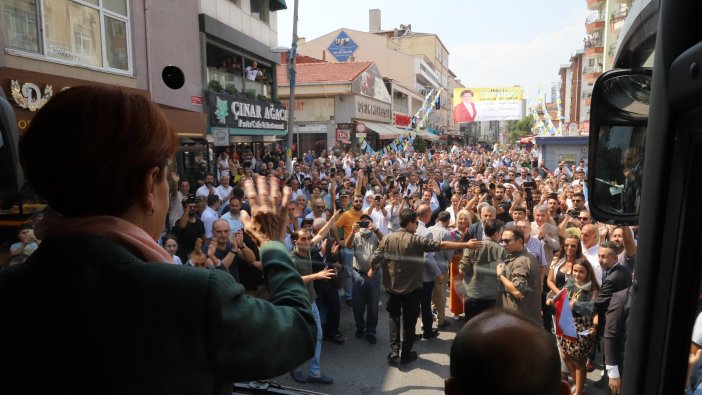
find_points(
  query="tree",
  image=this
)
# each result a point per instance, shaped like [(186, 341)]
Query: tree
[(519, 129), (419, 144)]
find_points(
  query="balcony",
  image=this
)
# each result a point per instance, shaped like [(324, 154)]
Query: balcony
[(594, 22), (619, 14), (593, 44), (594, 5), (592, 72)]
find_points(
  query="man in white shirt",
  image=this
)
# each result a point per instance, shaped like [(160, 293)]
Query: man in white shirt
[(209, 215), (253, 72), (379, 214), (176, 210), (225, 192), (208, 188)]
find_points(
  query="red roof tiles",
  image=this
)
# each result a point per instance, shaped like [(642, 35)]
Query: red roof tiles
[(324, 72)]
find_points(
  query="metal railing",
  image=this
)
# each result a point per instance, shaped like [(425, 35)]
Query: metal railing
[(620, 13), (595, 17), (592, 41), (592, 69)]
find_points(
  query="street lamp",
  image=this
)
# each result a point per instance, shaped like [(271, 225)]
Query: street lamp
[(290, 67)]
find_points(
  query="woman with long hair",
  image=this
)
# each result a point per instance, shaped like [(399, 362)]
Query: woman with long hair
[(571, 250), (456, 279), (581, 287)]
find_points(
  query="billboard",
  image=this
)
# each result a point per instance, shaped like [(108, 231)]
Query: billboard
[(487, 104)]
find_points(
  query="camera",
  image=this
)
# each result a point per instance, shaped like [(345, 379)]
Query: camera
[(333, 171), (573, 213), (529, 184), (483, 188), (363, 224)]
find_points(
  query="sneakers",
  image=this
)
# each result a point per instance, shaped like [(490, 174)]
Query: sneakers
[(430, 335), (359, 333), (408, 357), (371, 339), (322, 379), (393, 357)]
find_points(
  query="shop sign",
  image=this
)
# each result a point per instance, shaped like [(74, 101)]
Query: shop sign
[(342, 47), (29, 96), (372, 110), (244, 113), (342, 134), (220, 136), (400, 119)]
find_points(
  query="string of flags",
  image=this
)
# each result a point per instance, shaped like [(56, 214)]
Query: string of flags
[(430, 103)]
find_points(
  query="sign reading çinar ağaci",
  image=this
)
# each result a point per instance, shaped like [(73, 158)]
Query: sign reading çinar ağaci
[(244, 113), (487, 104)]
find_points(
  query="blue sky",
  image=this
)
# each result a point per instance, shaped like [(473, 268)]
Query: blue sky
[(490, 42)]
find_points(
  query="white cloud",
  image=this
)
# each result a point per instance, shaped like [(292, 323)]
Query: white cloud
[(533, 64)]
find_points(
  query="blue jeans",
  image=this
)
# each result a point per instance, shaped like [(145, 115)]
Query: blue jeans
[(366, 293), (347, 256), (314, 362)]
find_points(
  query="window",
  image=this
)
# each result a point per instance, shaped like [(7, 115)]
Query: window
[(86, 32), (20, 20), (259, 10)]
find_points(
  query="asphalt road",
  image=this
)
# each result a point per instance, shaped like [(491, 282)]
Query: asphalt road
[(361, 368)]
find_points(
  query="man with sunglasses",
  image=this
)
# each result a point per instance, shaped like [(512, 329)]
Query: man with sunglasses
[(520, 277)]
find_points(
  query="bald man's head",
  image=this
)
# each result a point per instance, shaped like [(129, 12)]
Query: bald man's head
[(501, 352)]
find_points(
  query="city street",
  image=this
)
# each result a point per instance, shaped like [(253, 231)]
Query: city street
[(361, 368)]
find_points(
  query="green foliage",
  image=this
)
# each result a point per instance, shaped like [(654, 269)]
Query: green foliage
[(419, 145), (519, 129), (251, 94), (231, 89), (262, 97), (214, 86)]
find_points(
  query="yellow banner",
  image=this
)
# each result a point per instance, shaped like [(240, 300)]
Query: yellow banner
[(487, 104)]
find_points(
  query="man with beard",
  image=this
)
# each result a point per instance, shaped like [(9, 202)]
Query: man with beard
[(188, 229), (501, 204), (345, 227), (623, 237)]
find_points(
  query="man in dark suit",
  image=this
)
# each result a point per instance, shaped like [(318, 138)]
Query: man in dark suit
[(615, 277), (615, 337), (476, 230)]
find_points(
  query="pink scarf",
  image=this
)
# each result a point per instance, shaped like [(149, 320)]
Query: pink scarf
[(117, 229)]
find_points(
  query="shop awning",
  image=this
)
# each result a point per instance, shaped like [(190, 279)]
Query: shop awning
[(187, 123), (277, 5), (385, 130), (426, 135)]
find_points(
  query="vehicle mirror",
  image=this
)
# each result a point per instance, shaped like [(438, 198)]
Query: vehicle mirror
[(618, 120)]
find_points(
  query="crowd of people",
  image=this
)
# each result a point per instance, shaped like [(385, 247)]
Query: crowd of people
[(489, 225)]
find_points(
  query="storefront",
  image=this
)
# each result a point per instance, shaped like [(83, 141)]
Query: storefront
[(244, 124), (374, 115)]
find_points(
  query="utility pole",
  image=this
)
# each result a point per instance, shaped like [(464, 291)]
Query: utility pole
[(291, 77)]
